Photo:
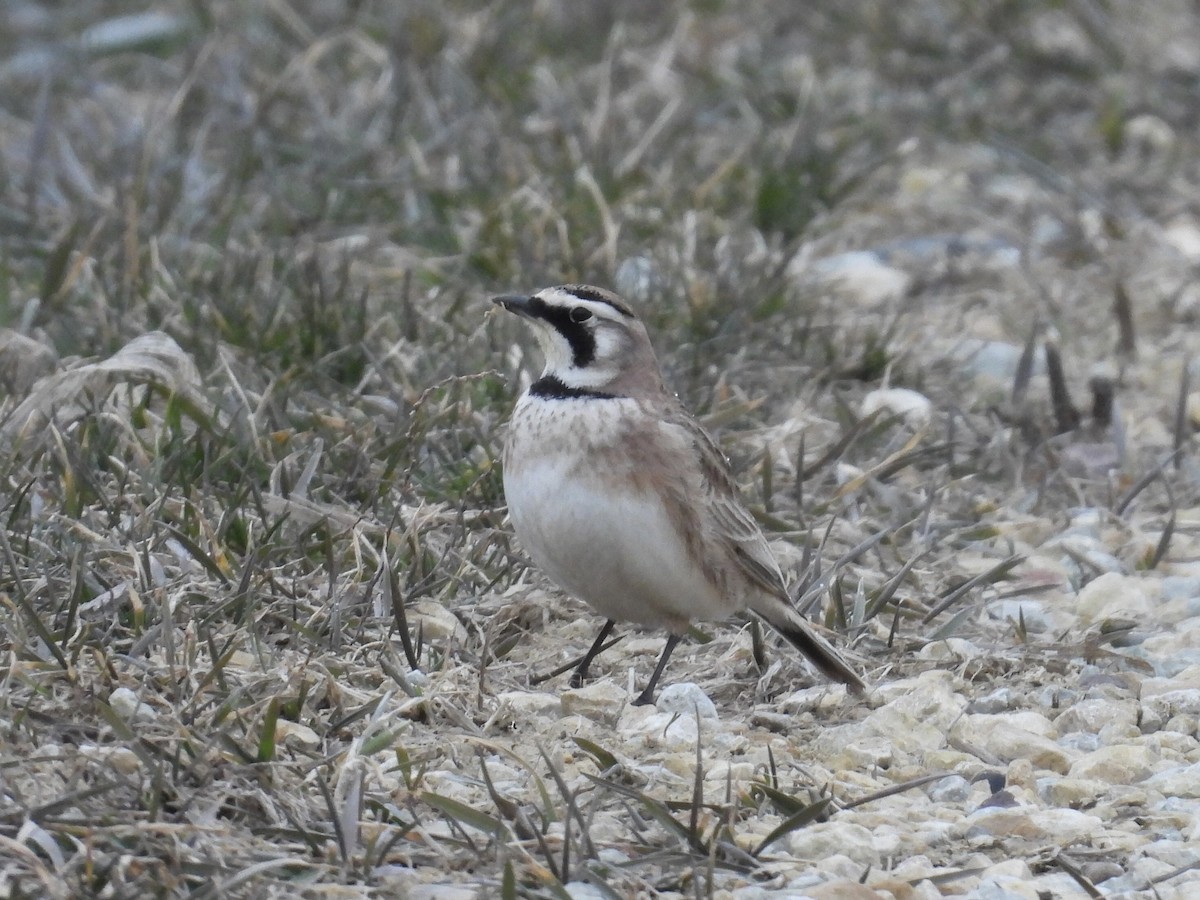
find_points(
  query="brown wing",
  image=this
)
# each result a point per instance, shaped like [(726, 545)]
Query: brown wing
[(735, 525), (748, 547)]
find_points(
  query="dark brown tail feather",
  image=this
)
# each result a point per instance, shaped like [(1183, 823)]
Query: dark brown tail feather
[(789, 623)]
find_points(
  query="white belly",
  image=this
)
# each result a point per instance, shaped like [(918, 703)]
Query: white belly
[(615, 549)]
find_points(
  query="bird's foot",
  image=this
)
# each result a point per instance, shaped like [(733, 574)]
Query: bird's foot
[(645, 698)]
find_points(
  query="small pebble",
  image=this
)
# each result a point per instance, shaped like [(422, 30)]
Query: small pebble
[(686, 698), (126, 704)]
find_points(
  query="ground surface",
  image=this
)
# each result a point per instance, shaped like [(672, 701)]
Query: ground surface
[(265, 630)]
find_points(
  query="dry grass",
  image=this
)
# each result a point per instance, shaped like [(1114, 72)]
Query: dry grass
[(257, 597)]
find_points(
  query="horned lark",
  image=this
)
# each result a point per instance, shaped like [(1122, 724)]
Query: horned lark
[(622, 498)]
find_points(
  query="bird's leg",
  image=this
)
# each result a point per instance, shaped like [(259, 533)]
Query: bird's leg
[(593, 652), (647, 696)]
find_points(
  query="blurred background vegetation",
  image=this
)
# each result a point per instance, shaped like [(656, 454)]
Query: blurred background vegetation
[(312, 202)]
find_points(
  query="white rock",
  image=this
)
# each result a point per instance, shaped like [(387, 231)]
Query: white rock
[(1005, 888), (1154, 717), (1101, 870), (908, 733), (1141, 872), (1087, 520), (686, 698), (1149, 133), (860, 275), (912, 868), (1184, 725), (1122, 764), (1182, 781), (122, 759), (441, 892), (1181, 587), (1118, 733), (435, 621), (295, 734), (1005, 881), (1092, 715), (754, 892), (915, 719), (670, 731), (1185, 679), (1175, 853), (844, 472), (914, 408), (1055, 35), (1013, 736), (849, 888), (126, 704), (23, 361), (521, 705), (1009, 868), (581, 890), (1060, 825), (994, 359), (823, 840), (1184, 236), (1056, 698), (1031, 721), (602, 701), (1113, 595), (1071, 792), (999, 700), (848, 748), (1172, 746), (613, 856), (839, 865), (955, 649), (1020, 773), (922, 890), (893, 840), (932, 693), (806, 881), (1168, 705), (726, 770), (951, 789), (1187, 309), (1087, 555), (821, 698), (505, 777)]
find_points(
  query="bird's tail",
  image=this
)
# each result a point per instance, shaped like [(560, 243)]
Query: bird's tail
[(781, 616)]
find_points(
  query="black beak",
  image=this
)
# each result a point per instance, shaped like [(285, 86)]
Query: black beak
[(515, 303)]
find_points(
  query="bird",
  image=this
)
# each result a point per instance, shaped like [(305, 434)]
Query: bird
[(620, 496)]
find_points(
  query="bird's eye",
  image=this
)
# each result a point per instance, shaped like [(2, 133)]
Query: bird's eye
[(580, 314)]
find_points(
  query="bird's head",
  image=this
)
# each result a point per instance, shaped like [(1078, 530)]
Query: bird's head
[(590, 338)]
